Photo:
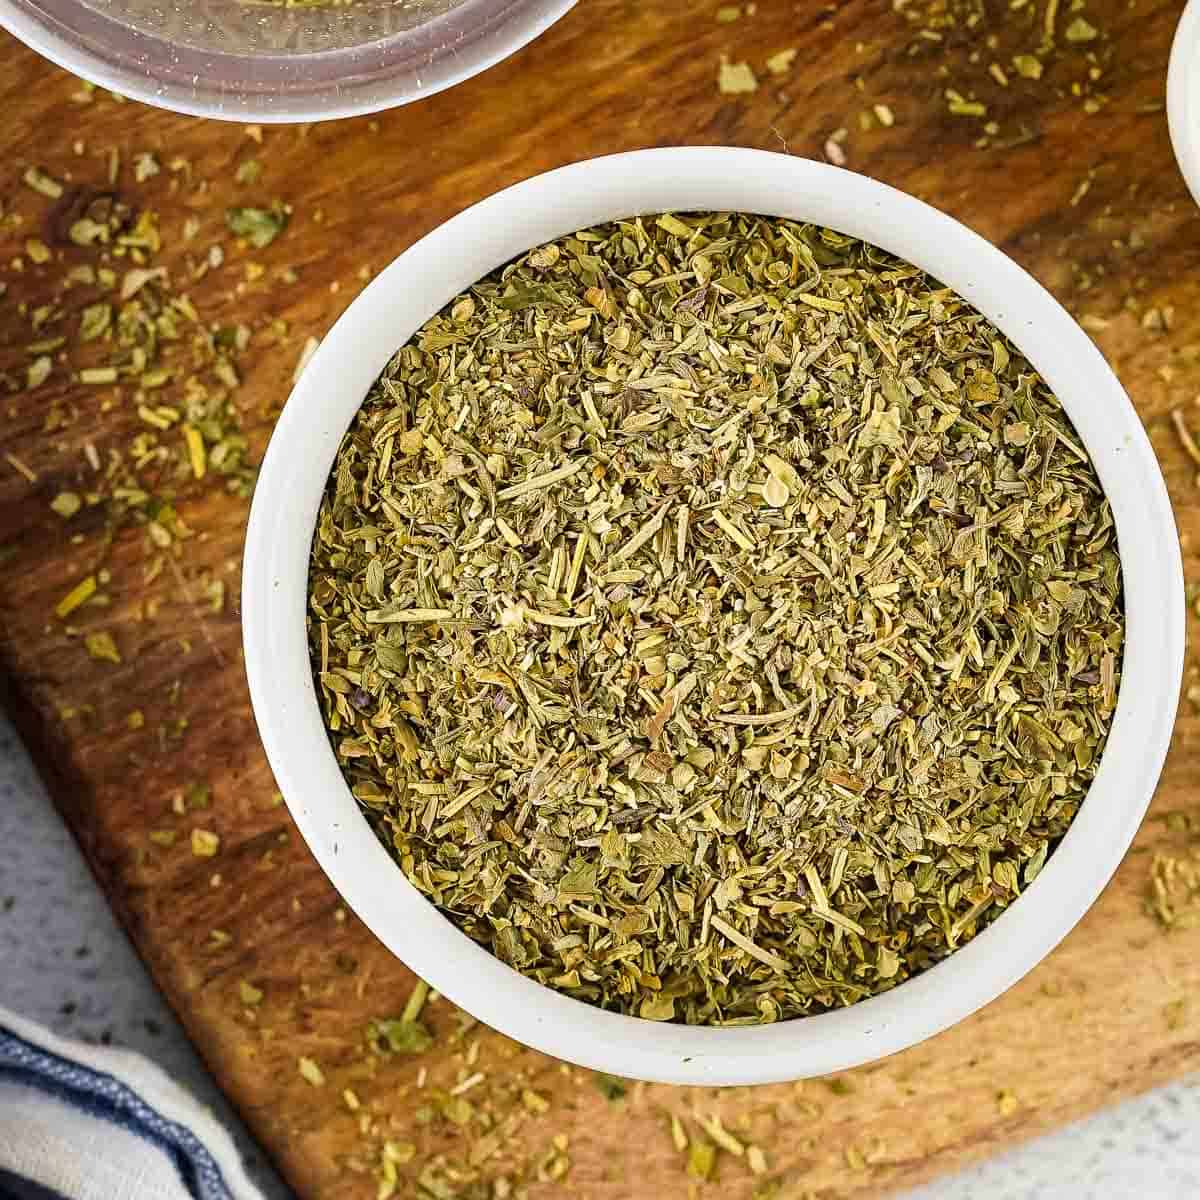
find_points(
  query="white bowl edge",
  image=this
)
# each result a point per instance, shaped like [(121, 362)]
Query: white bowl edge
[(1183, 97), (287, 497)]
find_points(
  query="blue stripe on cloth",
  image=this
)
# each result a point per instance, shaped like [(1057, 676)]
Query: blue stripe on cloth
[(17, 1187), (105, 1097)]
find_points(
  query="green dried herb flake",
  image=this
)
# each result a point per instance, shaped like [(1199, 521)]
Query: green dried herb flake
[(248, 994), (395, 1036), (38, 371), (1176, 1014), (611, 1087), (259, 226), (205, 843), (1173, 895), (197, 795), (736, 78), (781, 62), (102, 646), (1028, 66), (95, 320), (66, 504), (701, 1159), (1081, 30)]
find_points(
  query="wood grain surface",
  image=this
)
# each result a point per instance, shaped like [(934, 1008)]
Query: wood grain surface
[(1075, 179)]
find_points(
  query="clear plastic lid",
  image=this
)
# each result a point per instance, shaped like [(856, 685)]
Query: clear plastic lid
[(245, 60)]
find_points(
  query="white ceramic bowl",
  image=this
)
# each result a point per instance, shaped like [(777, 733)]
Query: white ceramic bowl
[(285, 506), (1183, 96)]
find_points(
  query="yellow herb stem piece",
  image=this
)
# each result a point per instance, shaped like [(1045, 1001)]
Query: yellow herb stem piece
[(732, 531), (381, 616), (536, 482), (197, 455), (744, 943), (416, 1001), (83, 591)]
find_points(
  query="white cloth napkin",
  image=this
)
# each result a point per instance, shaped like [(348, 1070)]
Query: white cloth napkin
[(84, 1122)]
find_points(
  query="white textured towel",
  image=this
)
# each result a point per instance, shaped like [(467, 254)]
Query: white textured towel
[(91, 1123)]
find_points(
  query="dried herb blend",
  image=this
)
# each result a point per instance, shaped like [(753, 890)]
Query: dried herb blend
[(718, 618)]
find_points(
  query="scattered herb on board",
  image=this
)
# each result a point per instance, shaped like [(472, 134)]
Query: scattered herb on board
[(399, 1037), (205, 843), (1174, 891), (119, 345), (310, 1071), (736, 79), (259, 226), (119, 321), (611, 1087), (1173, 887), (248, 994), (701, 1159), (404, 1034), (992, 59), (719, 620), (1175, 1013), (781, 62), (102, 646)]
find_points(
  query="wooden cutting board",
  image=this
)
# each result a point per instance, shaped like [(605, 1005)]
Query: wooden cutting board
[(1075, 179)]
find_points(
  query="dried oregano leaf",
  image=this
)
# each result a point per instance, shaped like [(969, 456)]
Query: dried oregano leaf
[(259, 226)]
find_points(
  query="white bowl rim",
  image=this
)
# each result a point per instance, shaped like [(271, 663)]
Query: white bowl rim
[(294, 471), (1183, 96)]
